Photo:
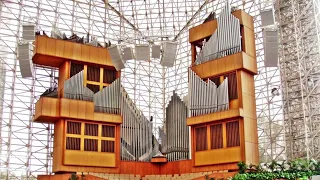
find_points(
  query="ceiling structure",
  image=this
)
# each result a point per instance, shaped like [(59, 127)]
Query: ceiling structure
[(300, 70), (25, 147)]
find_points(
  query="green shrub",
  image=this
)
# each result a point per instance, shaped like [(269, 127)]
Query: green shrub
[(300, 169)]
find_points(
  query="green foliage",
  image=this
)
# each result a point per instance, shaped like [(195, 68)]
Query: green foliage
[(242, 167), (73, 176), (299, 169)]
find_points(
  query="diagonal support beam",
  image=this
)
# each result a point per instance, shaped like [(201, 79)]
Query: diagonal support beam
[(108, 5), (190, 20)]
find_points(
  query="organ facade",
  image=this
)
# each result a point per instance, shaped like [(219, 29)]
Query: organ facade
[(221, 91), (99, 129)]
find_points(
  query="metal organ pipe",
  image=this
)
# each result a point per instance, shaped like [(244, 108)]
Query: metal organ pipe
[(205, 98), (136, 132), (176, 131), (224, 41), (107, 100), (74, 89)]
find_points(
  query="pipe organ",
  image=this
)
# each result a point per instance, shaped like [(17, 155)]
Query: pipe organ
[(108, 99), (221, 91), (74, 88), (98, 128), (206, 97), (224, 41), (175, 135), (137, 140)]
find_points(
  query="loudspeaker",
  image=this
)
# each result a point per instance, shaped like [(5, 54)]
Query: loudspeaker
[(270, 47), (156, 51), (28, 32), (116, 57), (267, 17), (25, 54), (128, 54), (169, 54), (142, 52)]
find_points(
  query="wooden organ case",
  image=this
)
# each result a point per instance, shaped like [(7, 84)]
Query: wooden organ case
[(91, 136), (86, 134), (223, 133)]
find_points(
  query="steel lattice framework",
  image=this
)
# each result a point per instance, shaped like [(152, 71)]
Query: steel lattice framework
[(299, 62), (25, 147)]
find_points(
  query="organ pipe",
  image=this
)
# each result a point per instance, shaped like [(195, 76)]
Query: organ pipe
[(74, 89), (136, 132), (224, 41), (108, 99), (175, 133), (206, 97)]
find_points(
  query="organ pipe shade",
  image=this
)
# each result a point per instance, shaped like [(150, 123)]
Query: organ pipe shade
[(109, 76), (75, 68), (169, 54), (175, 132), (128, 54), (74, 89), (25, 54), (116, 57), (224, 41), (142, 52), (206, 97), (93, 73)]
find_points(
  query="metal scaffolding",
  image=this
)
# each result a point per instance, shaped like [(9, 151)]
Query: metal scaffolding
[(26, 147), (299, 62)]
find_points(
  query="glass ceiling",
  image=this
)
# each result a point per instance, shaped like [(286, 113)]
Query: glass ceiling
[(26, 147)]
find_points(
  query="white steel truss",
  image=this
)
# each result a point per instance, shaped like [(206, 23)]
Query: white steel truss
[(26, 147), (299, 62)]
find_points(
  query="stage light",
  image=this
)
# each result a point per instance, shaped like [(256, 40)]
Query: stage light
[(128, 54), (169, 54), (156, 51), (116, 57), (142, 52), (25, 53)]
